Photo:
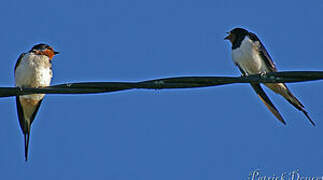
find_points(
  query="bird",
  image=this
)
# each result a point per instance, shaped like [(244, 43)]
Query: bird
[(32, 70), (251, 57)]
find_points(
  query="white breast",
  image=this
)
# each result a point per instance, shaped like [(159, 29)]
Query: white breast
[(33, 71), (248, 58)]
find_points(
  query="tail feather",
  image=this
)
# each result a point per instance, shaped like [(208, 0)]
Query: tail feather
[(293, 100), (26, 144), (30, 107), (298, 105), (308, 117), (283, 90), (265, 99)]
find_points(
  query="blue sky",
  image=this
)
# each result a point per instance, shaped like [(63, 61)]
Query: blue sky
[(209, 133)]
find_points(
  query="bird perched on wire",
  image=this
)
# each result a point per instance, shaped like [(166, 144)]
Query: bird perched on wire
[(251, 57), (33, 69)]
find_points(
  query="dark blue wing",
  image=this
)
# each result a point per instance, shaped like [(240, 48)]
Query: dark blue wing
[(263, 53), (19, 60)]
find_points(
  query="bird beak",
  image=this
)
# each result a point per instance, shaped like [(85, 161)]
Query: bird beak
[(228, 37), (55, 52)]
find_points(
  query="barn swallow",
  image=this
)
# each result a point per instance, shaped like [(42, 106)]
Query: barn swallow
[(32, 70), (251, 57)]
